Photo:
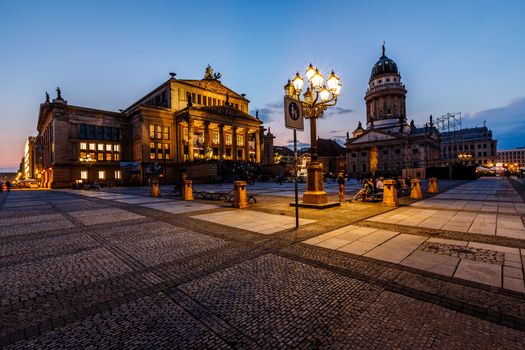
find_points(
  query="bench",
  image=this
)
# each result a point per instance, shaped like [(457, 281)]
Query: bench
[(250, 197)]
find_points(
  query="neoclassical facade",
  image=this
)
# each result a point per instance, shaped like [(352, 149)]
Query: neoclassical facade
[(389, 143), (179, 122)]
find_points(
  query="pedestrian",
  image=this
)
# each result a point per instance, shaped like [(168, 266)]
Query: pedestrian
[(380, 184), (8, 185), (341, 182)]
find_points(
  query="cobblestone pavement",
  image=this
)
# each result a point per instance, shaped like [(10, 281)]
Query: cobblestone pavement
[(118, 269)]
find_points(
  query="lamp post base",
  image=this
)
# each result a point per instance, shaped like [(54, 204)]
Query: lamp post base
[(315, 193)]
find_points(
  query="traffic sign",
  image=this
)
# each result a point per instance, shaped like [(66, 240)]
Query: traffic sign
[(293, 114)]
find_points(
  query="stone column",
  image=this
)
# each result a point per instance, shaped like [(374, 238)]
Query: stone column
[(246, 145), (207, 142), (257, 147), (234, 142), (222, 141), (190, 139)]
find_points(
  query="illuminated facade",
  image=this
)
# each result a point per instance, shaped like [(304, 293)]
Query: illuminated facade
[(514, 157), (190, 122), (389, 143), (68, 133)]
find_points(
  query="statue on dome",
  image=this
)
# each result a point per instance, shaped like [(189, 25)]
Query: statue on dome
[(59, 93), (47, 97)]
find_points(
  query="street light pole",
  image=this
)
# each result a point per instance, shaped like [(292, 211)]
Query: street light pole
[(316, 99)]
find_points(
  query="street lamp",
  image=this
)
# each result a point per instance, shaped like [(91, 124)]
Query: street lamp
[(88, 161), (315, 100)]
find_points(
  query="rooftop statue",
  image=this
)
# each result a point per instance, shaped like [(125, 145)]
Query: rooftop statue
[(59, 93), (209, 75), (47, 97)]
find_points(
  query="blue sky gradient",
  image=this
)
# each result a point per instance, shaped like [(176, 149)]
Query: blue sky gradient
[(453, 56)]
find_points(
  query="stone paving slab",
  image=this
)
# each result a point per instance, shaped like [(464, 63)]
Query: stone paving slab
[(480, 223), (452, 258), (178, 207), (252, 220)]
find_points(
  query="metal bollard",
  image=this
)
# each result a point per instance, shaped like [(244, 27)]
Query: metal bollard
[(415, 189), (240, 194), (433, 185), (155, 188), (187, 190)]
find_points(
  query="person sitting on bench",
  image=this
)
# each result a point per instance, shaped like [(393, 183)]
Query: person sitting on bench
[(366, 191)]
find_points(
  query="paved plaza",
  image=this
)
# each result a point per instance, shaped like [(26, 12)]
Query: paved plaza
[(117, 268)]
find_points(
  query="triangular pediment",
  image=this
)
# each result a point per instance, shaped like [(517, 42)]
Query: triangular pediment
[(373, 136), (212, 85)]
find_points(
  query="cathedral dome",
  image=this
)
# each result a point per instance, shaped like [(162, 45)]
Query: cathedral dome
[(385, 65)]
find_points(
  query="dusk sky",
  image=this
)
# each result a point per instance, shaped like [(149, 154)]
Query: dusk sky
[(453, 56)]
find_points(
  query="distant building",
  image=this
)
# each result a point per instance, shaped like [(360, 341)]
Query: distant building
[(514, 156), (192, 122), (329, 153), (469, 146), (29, 161), (389, 143)]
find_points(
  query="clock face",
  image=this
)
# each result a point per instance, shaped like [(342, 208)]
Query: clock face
[(293, 109)]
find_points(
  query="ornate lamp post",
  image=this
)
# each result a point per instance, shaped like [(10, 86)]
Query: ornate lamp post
[(316, 99), (88, 161)]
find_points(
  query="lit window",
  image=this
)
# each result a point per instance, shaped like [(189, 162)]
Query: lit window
[(152, 131), (166, 151), (100, 156), (116, 156), (84, 175), (108, 156), (118, 175), (83, 154), (240, 140), (100, 146), (108, 147), (228, 139), (159, 131), (166, 132), (102, 174), (116, 148), (159, 150), (152, 151), (215, 137), (91, 146), (83, 145)]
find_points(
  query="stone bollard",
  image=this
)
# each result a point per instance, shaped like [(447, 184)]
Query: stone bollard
[(187, 191), (433, 185), (240, 194), (155, 188), (415, 189), (390, 193)]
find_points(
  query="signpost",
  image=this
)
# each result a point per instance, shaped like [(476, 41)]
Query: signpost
[(293, 119)]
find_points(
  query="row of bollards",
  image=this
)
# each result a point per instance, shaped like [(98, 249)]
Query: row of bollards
[(240, 193), (390, 191)]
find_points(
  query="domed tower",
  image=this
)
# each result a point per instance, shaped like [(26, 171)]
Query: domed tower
[(385, 97)]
